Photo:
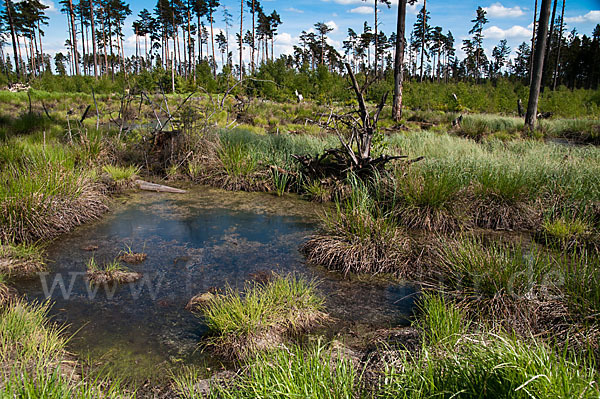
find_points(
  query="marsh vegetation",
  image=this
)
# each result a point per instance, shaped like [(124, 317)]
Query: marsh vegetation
[(499, 228)]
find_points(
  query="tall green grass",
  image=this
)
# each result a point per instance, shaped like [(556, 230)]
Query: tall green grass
[(316, 372), (480, 364), (581, 287), (492, 269), (34, 362), (440, 323), (509, 171)]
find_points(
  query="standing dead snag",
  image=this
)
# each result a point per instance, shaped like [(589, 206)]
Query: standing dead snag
[(354, 155)]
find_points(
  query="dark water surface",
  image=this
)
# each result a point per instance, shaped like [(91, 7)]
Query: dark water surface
[(196, 241)]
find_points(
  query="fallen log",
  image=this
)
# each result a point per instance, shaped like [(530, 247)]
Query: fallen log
[(146, 186)]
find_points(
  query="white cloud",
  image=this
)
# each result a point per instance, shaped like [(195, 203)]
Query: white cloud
[(333, 43), (362, 10), (499, 11), (346, 2), (415, 8), (50, 4), (284, 38), (494, 32), (332, 25), (292, 9), (592, 16)]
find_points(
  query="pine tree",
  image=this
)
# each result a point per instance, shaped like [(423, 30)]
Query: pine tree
[(520, 67), (500, 54), (9, 17), (323, 30), (212, 5), (422, 34), (222, 43), (477, 42)]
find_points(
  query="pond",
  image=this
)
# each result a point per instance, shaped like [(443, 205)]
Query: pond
[(195, 242)]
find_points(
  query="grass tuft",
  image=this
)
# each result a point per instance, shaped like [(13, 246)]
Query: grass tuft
[(120, 174), (262, 316), (112, 272)]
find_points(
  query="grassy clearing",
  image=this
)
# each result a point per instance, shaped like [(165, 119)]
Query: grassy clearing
[(262, 316), (111, 272), (509, 183), (455, 362), (33, 360)]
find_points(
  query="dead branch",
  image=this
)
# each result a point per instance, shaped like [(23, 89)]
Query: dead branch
[(356, 141)]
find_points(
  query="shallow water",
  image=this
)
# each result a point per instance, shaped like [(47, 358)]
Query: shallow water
[(196, 241)]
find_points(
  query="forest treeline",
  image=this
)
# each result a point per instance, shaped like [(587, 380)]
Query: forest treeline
[(184, 44)]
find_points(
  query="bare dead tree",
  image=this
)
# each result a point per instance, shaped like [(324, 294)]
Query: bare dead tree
[(354, 155), (538, 65)]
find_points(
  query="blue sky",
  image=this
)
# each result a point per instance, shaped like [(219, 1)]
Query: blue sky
[(509, 20)]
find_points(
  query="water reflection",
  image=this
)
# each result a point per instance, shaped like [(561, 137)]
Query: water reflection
[(195, 242)]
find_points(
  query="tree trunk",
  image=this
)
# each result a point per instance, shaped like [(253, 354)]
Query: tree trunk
[(399, 61), (538, 67), (423, 37), (253, 36), (199, 40), (241, 37), (74, 37), (31, 55), (137, 53), (94, 38), (189, 39), (376, 40), (13, 37), (172, 72), (104, 44), (212, 43), (123, 57), (20, 58), (549, 46), (560, 35), (112, 55), (83, 49), (42, 50), (533, 43)]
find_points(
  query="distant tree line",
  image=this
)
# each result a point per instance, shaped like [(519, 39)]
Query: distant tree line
[(190, 39)]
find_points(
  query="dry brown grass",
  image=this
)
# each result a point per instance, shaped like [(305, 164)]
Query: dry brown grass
[(19, 262), (113, 276), (133, 257), (434, 219), (44, 218), (386, 250), (7, 294), (493, 213)]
